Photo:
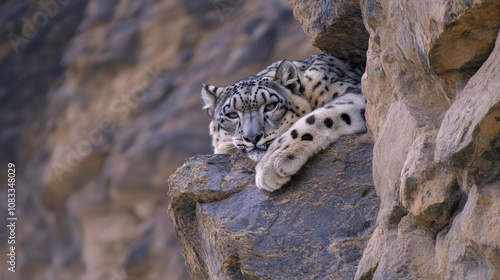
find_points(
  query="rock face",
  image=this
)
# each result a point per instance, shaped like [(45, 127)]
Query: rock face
[(315, 227), (432, 83), (99, 104)]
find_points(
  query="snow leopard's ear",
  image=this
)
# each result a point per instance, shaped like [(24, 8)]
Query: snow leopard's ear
[(210, 94), (288, 75)]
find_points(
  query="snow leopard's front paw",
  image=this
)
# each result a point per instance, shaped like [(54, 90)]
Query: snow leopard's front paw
[(267, 177), (283, 160)]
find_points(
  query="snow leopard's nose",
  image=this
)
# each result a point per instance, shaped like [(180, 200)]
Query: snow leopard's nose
[(253, 138), (252, 130)]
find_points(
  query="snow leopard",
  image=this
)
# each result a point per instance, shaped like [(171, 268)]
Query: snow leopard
[(286, 113)]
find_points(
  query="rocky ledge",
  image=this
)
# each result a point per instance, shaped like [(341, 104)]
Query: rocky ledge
[(316, 226)]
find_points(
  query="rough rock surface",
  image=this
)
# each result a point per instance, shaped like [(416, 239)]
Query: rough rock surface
[(334, 26), (316, 227), (99, 104), (432, 83)]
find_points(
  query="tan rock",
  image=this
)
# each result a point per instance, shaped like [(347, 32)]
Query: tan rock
[(432, 107), (469, 135), (470, 247), (335, 27), (428, 191)]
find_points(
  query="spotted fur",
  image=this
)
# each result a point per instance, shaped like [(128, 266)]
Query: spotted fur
[(286, 113)]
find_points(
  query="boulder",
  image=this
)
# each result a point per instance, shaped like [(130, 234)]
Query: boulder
[(316, 226)]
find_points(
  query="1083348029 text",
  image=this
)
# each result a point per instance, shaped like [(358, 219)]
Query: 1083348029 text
[(11, 217)]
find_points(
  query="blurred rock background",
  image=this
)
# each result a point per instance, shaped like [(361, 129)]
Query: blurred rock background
[(99, 104)]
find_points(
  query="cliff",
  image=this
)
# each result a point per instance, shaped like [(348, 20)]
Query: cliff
[(432, 83)]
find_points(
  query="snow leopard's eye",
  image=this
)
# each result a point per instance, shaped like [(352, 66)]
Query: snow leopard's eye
[(232, 115), (270, 106)]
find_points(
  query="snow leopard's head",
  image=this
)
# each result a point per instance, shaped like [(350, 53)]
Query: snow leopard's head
[(249, 114)]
